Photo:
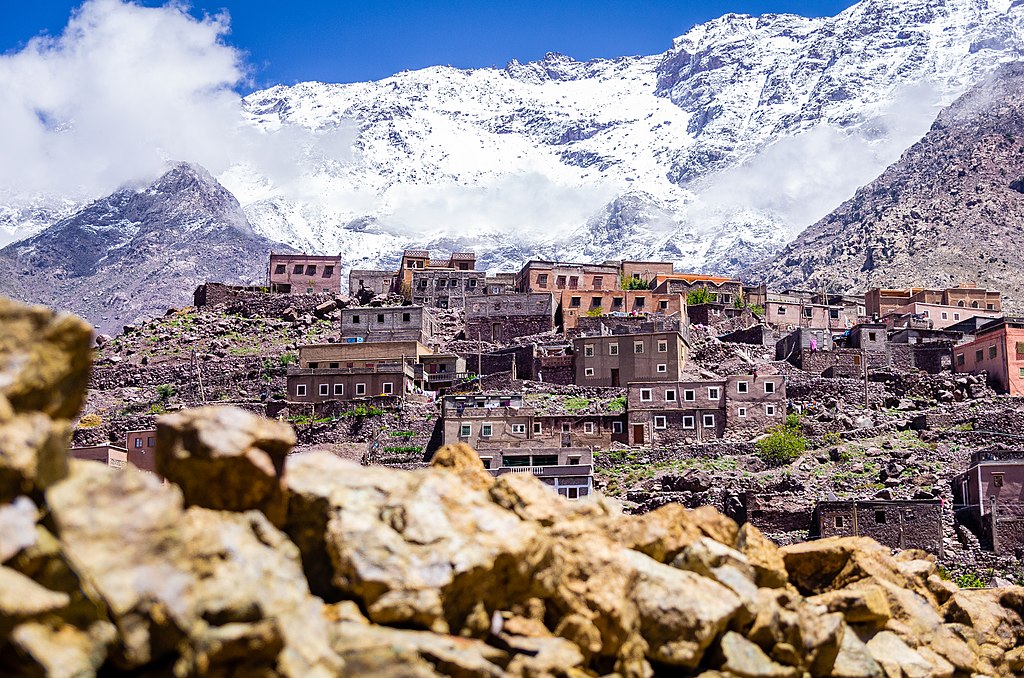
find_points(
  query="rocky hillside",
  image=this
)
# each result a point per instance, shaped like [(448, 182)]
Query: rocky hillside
[(949, 211), (254, 562), (139, 251)]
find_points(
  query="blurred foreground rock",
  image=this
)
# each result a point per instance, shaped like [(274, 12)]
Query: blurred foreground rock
[(251, 563)]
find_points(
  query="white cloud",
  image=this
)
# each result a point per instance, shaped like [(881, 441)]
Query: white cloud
[(122, 90)]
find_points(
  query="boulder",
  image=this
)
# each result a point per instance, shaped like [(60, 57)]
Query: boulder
[(226, 458)]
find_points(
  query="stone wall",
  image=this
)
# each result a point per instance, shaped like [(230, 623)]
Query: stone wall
[(256, 302)]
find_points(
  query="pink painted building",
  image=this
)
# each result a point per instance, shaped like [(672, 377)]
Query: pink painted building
[(998, 349)]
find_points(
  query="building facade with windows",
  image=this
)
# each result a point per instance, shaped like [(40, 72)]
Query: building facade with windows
[(618, 359), (389, 323), (880, 301), (577, 304), (998, 351), (110, 455), (445, 288), (739, 407), (989, 497), (141, 446), (323, 384), (360, 354), (502, 318), (304, 273), (379, 282), (907, 524), (721, 290), (569, 471), (554, 276)]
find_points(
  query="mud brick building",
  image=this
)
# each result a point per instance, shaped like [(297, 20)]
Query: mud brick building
[(379, 282), (797, 308), (802, 342), (577, 304), (723, 290), (879, 301), (989, 497), (621, 323), (419, 260), (643, 271), (910, 524), (500, 283), (498, 422), (739, 407), (569, 471), (445, 288), (347, 383), (304, 273), (111, 455), (441, 370), (711, 314), (503, 318), (360, 354), (389, 323), (618, 359), (998, 350), (141, 446), (551, 276)]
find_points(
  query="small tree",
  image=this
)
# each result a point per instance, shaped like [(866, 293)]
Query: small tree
[(699, 295), (783, 444), (635, 284), (164, 391)]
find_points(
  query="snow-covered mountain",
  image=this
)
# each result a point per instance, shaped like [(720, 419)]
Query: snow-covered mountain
[(714, 153)]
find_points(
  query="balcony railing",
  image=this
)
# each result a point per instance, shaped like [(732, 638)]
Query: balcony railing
[(447, 376)]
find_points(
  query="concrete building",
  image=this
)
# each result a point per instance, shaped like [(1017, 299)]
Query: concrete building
[(739, 407), (389, 323), (795, 308), (304, 273), (442, 370), (569, 471), (722, 290), (618, 359), (380, 283), (879, 301), (989, 497), (419, 260), (577, 304), (348, 383), (500, 283), (141, 446), (360, 354), (503, 318), (910, 524), (110, 455), (939, 316), (445, 288), (998, 350), (643, 271)]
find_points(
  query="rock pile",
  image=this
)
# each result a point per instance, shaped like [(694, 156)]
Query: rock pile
[(253, 563)]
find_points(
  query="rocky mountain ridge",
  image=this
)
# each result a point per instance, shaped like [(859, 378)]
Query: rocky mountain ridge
[(949, 211)]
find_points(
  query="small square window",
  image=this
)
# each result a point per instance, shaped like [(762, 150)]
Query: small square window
[(325, 389), (714, 393), (979, 355), (838, 522), (588, 351), (645, 395), (660, 422), (959, 358), (670, 395), (880, 518), (279, 269), (663, 305), (588, 427), (769, 387), (709, 421), (662, 368), (465, 430), (300, 390), (997, 479), (360, 389), (742, 387), (406, 317), (298, 269), (311, 270), (575, 302), (588, 371), (486, 430), (150, 441), (688, 422), (808, 311), (945, 316), (638, 347), (956, 316), (616, 427), (518, 428), (741, 411), (992, 351), (689, 395), (138, 441), (328, 271), (769, 410), (355, 320), (782, 310), (613, 349), (339, 389), (380, 317), (833, 313), (388, 387), (565, 427), (662, 346)]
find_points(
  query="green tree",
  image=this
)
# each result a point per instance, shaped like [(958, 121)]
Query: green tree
[(165, 391), (699, 295), (635, 284)]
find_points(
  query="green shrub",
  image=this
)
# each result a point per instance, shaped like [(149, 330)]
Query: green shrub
[(594, 313), (635, 284), (782, 445), (617, 404), (165, 391), (402, 434), (157, 409), (286, 359), (576, 403), (700, 295), (757, 309), (970, 580), (402, 449)]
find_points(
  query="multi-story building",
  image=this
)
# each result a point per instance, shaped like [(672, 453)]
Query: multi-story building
[(496, 421), (419, 260), (500, 283), (738, 407), (909, 524), (988, 496), (445, 288), (795, 308), (618, 359), (722, 290), (503, 318), (442, 370), (389, 323), (937, 316), (879, 301), (552, 276), (569, 471), (576, 304), (380, 283), (141, 447), (394, 378), (998, 350), (111, 455), (633, 272), (360, 354), (304, 273)]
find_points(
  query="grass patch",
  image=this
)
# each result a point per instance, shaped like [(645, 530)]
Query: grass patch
[(576, 403)]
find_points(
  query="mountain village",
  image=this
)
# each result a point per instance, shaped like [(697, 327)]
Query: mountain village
[(894, 414)]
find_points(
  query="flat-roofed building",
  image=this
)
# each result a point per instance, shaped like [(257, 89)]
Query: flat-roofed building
[(394, 378), (445, 288), (358, 354), (997, 350), (389, 323), (880, 301), (379, 282), (577, 304), (304, 273), (503, 318), (898, 524), (569, 471), (141, 445), (720, 289), (618, 359), (555, 276), (110, 455), (988, 497)]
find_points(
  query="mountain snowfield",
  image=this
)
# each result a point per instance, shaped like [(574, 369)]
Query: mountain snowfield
[(713, 154)]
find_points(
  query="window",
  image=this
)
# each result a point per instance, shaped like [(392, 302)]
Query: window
[(560, 282), (518, 428), (575, 302), (328, 271), (945, 316), (714, 393), (956, 316), (990, 307), (769, 410), (872, 336), (660, 422), (617, 302), (960, 359), (574, 282), (595, 302), (279, 269), (782, 310), (355, 320), (833, 313), (880, 517), (588, 371), (662, 368), (997, 479), (333, 366), (297, 269), (486, 430), (838, 521), (339, 389), (709, 421), (808, 311), (769, 387), (598, 283), (663, 305), (974, 304), (688, 421), (645, 395), (388, 387), (406, 317), (638, 347), (150, 441), (588, 427), (311, 270), (542, 280), (572, 493), (979, 355), (138, 441), (380, 317), (638, 302), (741, 411), (565, 427), (588, 351), (960, 304), (689, 395), (924, 314), (472, 282), (670, 395), (662, 346), (486, 461), (742, 387), (325, 389), (360, 389), (616, 427), (991, 351), (465, 430), (538, 428), (1021, 370), (613, 349), (300, 390), (574, 461)]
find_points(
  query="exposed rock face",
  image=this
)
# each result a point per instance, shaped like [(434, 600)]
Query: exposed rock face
[(434, 572), (948, 211)]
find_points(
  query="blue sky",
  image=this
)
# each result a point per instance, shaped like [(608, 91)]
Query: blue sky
[(340, 41)]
